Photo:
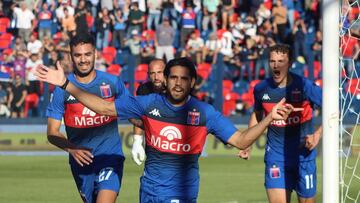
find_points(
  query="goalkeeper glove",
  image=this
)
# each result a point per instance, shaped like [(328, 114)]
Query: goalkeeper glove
[(137, 151)]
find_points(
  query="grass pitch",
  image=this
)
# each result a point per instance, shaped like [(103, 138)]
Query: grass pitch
[(224, 179)]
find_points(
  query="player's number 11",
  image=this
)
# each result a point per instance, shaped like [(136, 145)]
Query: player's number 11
[(309, 181)]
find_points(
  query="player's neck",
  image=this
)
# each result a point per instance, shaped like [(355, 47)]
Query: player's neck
[(87, 79), (286, 81)]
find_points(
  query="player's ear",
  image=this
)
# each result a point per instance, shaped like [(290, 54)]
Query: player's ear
[(193, 80)]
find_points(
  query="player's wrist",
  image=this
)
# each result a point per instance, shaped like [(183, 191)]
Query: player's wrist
[(138, 138), (65, 84)]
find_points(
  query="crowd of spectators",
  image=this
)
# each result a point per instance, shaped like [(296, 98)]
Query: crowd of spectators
[(240, 30)]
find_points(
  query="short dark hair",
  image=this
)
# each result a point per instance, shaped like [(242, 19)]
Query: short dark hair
[(82, 39), (282, 48), (184, 62)]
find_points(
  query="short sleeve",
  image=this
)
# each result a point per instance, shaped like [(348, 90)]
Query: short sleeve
[(56, 108), (219, 125)]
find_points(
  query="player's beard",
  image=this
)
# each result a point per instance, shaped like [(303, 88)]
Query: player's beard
[(82, 74)]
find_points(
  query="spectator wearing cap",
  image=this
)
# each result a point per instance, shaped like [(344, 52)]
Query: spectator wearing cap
[(164, 40), (135, 19), (134, 44), (188, 24), (24, 21)]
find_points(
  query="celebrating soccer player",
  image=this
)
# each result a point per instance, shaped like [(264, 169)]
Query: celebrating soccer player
[(176, 125), (93, 142), (290, 155)]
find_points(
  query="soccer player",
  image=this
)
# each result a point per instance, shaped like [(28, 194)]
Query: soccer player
[(154, 85), (93, 142), (176, 125), (290, 155)]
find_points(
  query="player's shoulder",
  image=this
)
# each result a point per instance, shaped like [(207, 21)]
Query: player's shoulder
[(262, 85), (201, 105), (107, 76)]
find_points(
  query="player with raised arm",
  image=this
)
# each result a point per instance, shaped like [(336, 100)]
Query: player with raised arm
[(154, 85), (290, 155), (176, 125), (93, 141)]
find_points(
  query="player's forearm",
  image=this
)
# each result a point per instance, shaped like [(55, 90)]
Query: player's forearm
[(61, 142), (92, 101), (246, 138)]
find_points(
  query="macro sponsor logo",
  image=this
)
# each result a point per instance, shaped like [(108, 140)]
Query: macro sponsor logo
[(90, 118), (169, 140), (290, 121)]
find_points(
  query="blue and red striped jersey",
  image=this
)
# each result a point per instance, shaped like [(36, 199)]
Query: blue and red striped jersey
[(84, 127), (285, 139), (175, 137)]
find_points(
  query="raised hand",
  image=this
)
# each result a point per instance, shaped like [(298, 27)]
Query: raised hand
[(282, 110), (49, 75), (245, 153), (82, 156)]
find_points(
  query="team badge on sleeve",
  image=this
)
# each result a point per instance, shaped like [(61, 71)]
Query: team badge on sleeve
[(193, 118), (105, 90), (275, 172)]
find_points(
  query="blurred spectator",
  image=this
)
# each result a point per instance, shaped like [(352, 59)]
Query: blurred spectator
[(66, 63), (4, 108), (32, 83), (60, 14), (210, 14), (34, 45), (94, 6), (248, 56), (68, 23), (108, 5), (45, 20), (24, 21), (279, 14), (135, 19), (54, 57), (211, 49), (262, 61), (154, 7), (134, 44), (164, 40), (262, 14), (188, 24), (103, 26), (227, 12), (299, 31), (147, 49), (194, 48), (64, 44), (48, 47), (80, 18), (169, 12), (199, 13), (19, 64), (17, 98), (227, 41), (317, 46), (119, 23), (99, 63)]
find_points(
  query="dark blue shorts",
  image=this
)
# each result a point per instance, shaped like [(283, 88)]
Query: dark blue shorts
[(300, 177), (105, 173)]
